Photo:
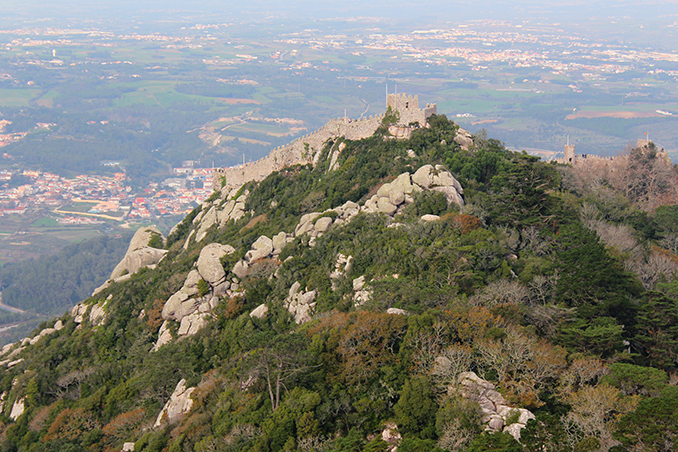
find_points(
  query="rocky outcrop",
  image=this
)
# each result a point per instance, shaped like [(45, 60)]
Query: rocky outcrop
[(209, 263), (391, 436), (260, 312), (18, 408), (428, 218), (58, 325), (361, 293), (193, 323), (191, 306), (180, 403), (206, 222), (464, 139), (139, 254), (342, 266), (261, 248), (229, 206), (392, 197), (496, 412), (316, 224), (164, 336), (97, 312), (300, 304)]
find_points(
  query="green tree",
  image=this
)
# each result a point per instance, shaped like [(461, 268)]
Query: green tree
[(495, 442), (654, 424), (416, 409)]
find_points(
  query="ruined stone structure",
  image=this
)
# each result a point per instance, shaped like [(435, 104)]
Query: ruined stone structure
[(570, 158), (408, 109), (306, 149)]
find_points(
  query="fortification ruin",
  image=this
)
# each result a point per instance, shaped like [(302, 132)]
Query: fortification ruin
[(571, 158), (306, 149)]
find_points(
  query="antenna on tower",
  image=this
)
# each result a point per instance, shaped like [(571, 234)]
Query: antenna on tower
[(568, 140)]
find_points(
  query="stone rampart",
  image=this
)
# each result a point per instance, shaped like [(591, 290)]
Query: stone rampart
[(303, 150), (306, 149)]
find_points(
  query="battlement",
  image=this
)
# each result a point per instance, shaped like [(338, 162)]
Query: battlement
[(306, 149), (408, 108)]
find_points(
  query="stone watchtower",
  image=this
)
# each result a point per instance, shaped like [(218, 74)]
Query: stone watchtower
[(408, 108), (570, 156)]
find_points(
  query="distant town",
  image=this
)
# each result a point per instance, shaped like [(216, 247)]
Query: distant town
[(90, 199)]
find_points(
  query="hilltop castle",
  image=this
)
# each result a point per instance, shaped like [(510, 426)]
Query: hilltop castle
[(571, 158), (306, 149)]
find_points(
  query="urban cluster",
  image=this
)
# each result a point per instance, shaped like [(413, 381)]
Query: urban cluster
[(86, 198)]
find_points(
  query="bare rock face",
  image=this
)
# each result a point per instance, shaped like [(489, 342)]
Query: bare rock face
[(306, 223), (192, 323), (428, 217), (188, 239), (362, 294), (452, 196), (180, 403), (97, 314), (164, 336), (391, 436), (464, 139), (495, 410), (384, 205), (240, 269), (300, 304), (342, 266), (261, 248), (209, 262), (173, 304), (260, 311), (323, 224), (207, 221), (279, 241), (423, 176), (139, 254), (18, 408)]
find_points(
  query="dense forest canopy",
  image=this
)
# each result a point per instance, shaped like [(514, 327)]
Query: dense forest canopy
[(560, 294)]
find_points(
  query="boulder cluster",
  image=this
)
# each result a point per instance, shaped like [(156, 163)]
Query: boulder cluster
[(464, 139), (95, 312), (498, 416), (199, 295), (392, 197), (192, 306), (10, 351), (229, 206)]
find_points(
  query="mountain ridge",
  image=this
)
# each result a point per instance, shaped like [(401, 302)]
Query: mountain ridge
[(409, 293)]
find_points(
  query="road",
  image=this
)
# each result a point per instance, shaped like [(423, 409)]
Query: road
[(5, 307)]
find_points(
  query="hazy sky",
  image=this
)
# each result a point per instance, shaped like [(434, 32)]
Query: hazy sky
[(400, 10)]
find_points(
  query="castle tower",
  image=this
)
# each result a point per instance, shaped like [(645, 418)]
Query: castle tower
[(570, 156), (408, 108)]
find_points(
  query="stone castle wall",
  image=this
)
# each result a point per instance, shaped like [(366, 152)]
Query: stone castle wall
[(605, 166), (408, 107), (306, 149)]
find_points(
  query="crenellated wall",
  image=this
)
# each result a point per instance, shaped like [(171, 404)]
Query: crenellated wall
[(604, 163), (306, 149)]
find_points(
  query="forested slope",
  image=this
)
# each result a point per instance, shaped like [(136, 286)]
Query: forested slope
[(361, 327)]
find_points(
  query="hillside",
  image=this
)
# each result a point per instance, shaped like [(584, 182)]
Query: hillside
[(398, 293)]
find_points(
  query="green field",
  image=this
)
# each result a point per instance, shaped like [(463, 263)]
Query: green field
[(17, 97), (45, 222)]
